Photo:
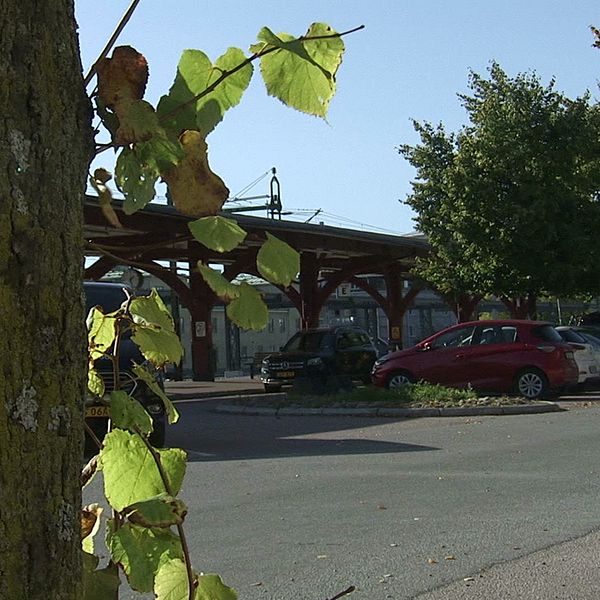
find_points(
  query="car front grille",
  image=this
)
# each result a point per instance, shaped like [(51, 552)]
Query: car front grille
[(286, 365), (126, 382)]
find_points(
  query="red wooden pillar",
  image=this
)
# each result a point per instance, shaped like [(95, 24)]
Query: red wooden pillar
[(393, 284), (309, 290), (202, 300), (397, 303)]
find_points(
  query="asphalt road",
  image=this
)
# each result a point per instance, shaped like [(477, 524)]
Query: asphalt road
[(303, 507)]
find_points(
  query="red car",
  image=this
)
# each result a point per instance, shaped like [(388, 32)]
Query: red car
[(526, 357)]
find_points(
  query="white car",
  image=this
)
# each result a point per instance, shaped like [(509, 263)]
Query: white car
[(586, 355)]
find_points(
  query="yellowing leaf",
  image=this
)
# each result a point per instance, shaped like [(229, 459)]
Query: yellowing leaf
[(150, 311), (158, 346), (90, 523), (102, 332), (248, 310), (217, 233), (95, 383), (277, 261), (196, 191), (98, 181), (218, 284), (122, 77)]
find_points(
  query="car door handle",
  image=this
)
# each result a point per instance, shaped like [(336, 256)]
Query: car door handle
[(459, 356)]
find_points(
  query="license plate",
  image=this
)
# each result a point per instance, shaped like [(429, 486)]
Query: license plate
[(97, 411), (285, 374)]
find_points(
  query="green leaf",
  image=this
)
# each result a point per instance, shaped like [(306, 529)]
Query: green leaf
[(301, 73), (130, 472), (211, 587), (138, 122), (160, 153), (157, 346), (171, 581), (136, 179), (150, 311), (277, 261), (218, 284), (102, 584), (140, 552), (217, 233), (154, 330), (102, 331), (162, 511), (127, 413), (95, 383), (180, 110), (148, 379), (248, 310)]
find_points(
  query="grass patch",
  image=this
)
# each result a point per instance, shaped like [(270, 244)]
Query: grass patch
[(418, 395)]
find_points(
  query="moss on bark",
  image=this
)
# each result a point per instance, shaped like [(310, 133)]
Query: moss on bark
[(45, 143)]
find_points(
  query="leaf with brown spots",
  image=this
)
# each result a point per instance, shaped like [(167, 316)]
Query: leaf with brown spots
[(122, 77), (195, 190)]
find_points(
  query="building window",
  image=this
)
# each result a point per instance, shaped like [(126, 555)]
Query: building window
[(282, 326), (271, 326)]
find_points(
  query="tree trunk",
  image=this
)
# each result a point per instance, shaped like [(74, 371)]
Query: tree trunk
[(45, 143), (522, 307)]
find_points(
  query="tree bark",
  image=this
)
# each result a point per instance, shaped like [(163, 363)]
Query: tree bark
[(45, 144)]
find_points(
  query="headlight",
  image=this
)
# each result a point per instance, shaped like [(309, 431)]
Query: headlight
[(380, 361), (314, 362), (154, 408)]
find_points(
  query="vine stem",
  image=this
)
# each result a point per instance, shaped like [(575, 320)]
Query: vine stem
[(102, 147), (180, 530), (113, 38), (252, 58)]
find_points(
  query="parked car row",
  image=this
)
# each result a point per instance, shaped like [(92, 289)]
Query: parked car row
[(530, 358)]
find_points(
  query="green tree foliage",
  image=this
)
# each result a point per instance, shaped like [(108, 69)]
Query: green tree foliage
[(510, 202)]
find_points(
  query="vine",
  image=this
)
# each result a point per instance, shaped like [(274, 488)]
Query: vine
[(145, 534)]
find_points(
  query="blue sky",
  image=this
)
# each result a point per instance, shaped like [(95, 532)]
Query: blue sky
[(408, 63)]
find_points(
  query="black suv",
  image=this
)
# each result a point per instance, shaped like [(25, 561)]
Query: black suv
[(110, 296), (318, 355)]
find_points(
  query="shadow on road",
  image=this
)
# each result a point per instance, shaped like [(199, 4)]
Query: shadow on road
[(209, 436)]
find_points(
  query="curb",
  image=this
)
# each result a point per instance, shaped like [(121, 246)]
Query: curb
[(459, 411)]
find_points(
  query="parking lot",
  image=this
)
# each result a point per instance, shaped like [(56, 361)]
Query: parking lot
[(304, 507)]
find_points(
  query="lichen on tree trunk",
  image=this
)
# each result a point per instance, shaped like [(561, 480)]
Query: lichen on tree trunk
[(45, 143)]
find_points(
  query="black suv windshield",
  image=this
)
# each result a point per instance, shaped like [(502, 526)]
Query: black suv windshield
[(109, 298), (309, 341)]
